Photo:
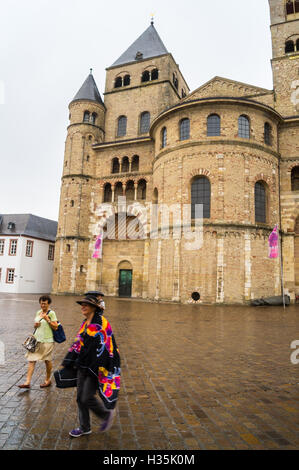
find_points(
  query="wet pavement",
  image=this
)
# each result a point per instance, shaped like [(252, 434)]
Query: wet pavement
[(193, 377)]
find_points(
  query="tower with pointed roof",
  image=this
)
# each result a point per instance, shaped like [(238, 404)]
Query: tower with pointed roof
[(87, 116)]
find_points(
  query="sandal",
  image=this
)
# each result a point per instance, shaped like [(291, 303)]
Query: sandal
[(24, 386), (45, 384)]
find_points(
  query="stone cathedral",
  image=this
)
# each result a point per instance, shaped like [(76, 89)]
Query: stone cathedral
[(229, 146)]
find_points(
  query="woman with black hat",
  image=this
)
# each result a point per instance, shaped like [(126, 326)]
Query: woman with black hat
[(95, 356)]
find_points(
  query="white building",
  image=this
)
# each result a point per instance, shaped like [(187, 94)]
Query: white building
[(26, 253)]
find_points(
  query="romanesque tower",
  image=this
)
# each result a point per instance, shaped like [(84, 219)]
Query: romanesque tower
[(87, 114), (285, 66)]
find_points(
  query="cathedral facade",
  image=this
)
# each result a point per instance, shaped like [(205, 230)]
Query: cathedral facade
[(230, 147)]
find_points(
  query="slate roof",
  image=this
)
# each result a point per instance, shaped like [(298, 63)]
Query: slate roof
[(149, 44), (89, 91), (28, 225)]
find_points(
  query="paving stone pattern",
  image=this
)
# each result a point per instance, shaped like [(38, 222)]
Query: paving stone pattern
[(193, 377)]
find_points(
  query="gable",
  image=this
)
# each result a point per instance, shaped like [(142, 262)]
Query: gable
[(223, 87)]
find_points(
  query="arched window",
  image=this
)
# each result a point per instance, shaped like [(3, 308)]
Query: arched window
[(185, 129), (145, 122), (295, 178), (175, 81), (121, 126), (86, 116), (183, 93), (290, 7), (135, 163), (163, 137), (141, 189), (127, 80), (155, 74), (145, 76), (244, 127), (213, 125), (296, 6), (130, 190), (115, 165), (297, 43), (201, 194), (155, 196), (125, 165), (289, 47), (107, 193), (93, 118), (267, 134), (260, 202), (118, 191), (118, 82)]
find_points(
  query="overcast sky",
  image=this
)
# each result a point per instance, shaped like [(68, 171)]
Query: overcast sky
[(48, 46)]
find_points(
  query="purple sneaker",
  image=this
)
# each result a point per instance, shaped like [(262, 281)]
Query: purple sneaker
[(107, 423), (78, 432)]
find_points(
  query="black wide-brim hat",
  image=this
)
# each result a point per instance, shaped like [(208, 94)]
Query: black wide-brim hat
[(94, 293), (88, 300)]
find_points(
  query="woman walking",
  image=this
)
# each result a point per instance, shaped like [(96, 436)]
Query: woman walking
[(95, 356), (45, 322)]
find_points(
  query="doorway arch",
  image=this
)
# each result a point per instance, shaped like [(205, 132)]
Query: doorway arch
[(125, 279)]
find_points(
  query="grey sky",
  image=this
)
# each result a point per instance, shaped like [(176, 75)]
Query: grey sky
[(48, 46)]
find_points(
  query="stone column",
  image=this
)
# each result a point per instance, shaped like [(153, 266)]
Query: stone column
[(158, 271), (247, 252), (220, 269)]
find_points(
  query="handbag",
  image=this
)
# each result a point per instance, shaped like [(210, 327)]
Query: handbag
[(66, 377), (30, 343), (59, 335)]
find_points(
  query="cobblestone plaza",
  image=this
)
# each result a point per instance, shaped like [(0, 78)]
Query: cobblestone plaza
[(193, 377)]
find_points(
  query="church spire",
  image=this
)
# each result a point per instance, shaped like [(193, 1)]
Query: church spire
[(148, 45), (89, 90)]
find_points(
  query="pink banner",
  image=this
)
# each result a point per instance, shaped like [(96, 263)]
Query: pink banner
[(98, 247), (273, 243)]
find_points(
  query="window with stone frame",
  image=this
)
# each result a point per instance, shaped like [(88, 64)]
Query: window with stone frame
[(244, 127), (267, 134), (107, 193), (13, 247), (86, 116), (145, 119), (163, 137), (135, 163), (289, 46), (51, 252), (29, 248), (292, 6), (185, 129), (115, 165), (201, 194), (260, 202), (118, 82), (295, 178), (2, 245), (127, 80), (122, 126), (213, 125), (10, 275)]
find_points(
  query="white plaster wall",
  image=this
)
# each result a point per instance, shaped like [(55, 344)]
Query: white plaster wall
[(33, 274)]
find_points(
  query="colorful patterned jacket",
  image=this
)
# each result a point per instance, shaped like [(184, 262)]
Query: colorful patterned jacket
[(96, 351)]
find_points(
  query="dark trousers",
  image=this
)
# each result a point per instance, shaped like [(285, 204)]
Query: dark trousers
[(86, 399)]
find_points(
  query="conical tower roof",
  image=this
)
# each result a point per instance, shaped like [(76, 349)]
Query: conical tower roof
[(89, 91), (148, 45)]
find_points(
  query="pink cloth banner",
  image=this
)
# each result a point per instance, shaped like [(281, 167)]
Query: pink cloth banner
[(273, 243), (98, 247)]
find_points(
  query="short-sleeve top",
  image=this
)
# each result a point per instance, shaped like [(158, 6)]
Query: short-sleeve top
[(44, 333)]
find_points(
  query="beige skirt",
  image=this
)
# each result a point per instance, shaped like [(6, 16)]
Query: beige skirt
[(43, 352)]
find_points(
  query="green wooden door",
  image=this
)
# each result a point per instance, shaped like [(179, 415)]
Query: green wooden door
[(125, 283)]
